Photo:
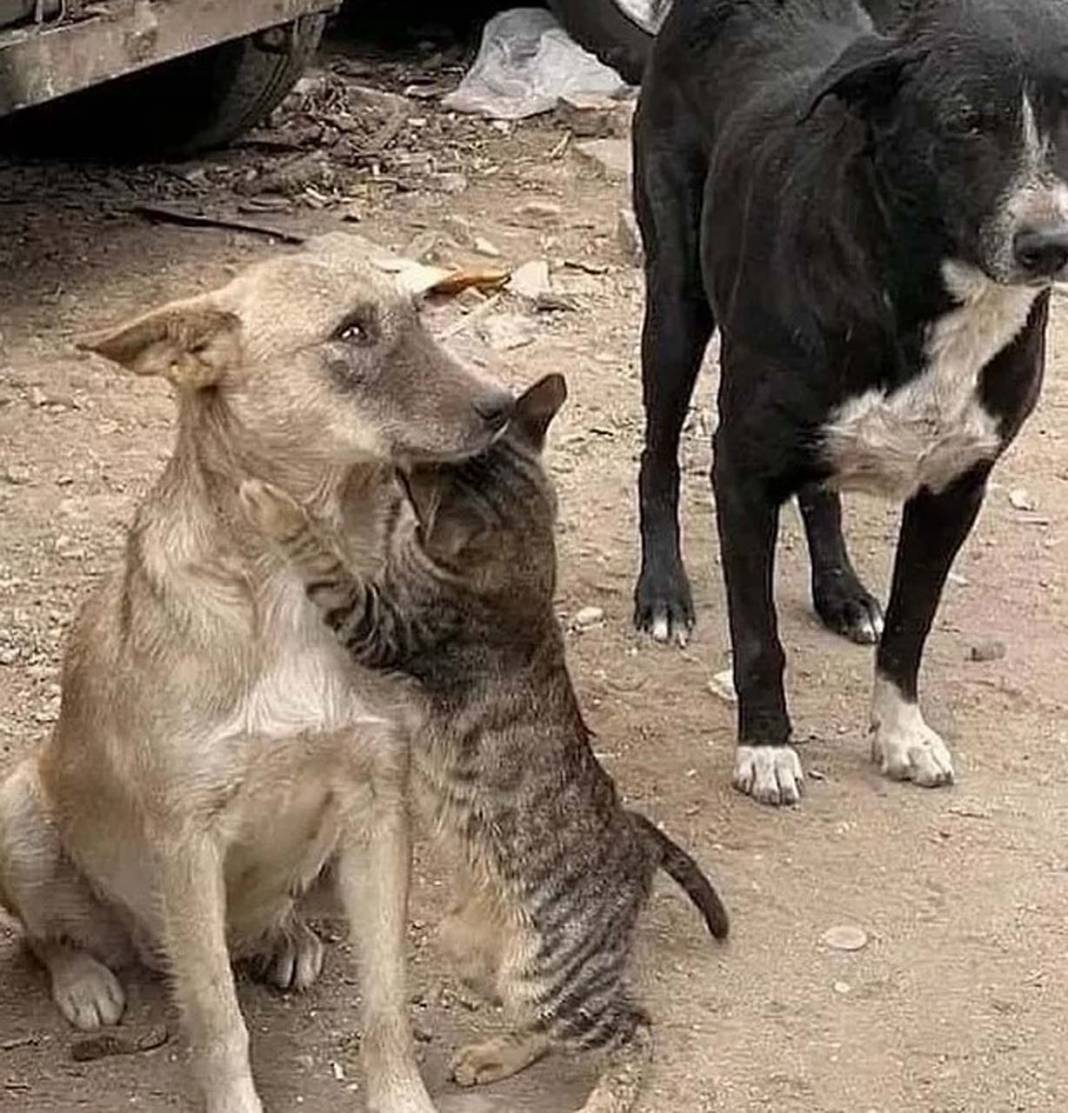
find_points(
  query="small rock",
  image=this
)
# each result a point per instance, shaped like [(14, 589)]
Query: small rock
[(38, 397), (450, 182), (8, 655), (591, 116), (508, 332), (610, 158), (337, 1070), (531, 280), (379, 99), (958, 579), (817, 774), (549, 301), (722, 686), (588, 617), (17, 475), (1021, 499), (539, 214), (305, 1061), (842, 987), (485, 247), (629, 236), (845, 937), (989, 650)]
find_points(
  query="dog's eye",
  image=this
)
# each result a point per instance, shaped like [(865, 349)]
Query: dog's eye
[(358, 329), (967, 121)]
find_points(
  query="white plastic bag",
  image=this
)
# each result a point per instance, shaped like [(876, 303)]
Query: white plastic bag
[(526, 62)]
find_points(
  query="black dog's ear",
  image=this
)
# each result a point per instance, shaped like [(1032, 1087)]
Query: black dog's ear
[(866, 75)]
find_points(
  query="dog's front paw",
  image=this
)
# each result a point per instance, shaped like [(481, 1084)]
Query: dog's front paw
[(663, 604), (902, 744), (770, 774), (86, 992), (846, 607)]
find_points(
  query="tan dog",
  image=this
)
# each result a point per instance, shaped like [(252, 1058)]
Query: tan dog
[(216, 749)]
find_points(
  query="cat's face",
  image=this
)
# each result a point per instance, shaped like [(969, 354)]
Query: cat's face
[(490, 520)]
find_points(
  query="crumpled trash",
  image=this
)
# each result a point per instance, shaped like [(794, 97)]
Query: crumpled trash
[(526, 62)]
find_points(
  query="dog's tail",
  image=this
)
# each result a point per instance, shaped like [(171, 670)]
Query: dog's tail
[(675, 862)]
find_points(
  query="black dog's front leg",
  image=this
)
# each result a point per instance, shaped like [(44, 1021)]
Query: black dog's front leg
[(766, 766), (843, 603), (932, 531)]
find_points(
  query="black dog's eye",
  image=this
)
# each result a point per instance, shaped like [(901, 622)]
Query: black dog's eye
[(967, 121)]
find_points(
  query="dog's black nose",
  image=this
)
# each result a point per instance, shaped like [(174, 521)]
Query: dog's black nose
[(495, 408), (1042, 252)]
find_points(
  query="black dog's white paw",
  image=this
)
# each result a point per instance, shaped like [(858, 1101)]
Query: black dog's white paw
[(770, 774), (663, 605)]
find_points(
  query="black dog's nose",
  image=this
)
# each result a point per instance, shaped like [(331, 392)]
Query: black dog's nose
[(495, 408), (1042, 252)]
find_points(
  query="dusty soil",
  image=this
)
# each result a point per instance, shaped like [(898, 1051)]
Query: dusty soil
[(955, 1004)]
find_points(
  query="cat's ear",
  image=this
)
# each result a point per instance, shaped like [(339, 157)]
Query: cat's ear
[(536, 407), (192, 343)]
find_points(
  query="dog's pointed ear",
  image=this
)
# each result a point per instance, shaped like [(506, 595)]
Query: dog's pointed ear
[(191, 343), (536, 407), (866, 75)]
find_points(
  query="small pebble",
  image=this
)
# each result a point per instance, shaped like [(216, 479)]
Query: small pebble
[(845, 937), (989, 650), (842, 988), (1021, 499), (722, 686), (587, 617)]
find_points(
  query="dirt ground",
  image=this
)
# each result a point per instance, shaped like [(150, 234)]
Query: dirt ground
[(957, 1001)]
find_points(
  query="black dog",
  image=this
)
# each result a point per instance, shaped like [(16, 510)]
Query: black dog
[(874, 224)]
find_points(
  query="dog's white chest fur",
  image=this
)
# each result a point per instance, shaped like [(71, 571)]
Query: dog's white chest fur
[(934, 428), (307, 683)]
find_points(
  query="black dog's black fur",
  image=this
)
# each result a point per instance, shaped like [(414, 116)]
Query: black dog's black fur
[(801, 181)]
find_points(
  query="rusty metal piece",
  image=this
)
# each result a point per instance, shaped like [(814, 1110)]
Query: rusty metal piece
[(116, 37)]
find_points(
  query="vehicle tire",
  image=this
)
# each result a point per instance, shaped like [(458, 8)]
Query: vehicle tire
[(604, 29), (183, 106)]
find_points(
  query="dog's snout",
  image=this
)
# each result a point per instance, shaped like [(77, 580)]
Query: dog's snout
[(495, 408), (1042, 252)]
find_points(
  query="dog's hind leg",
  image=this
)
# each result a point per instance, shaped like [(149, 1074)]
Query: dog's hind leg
[(933, 528), (669, 182), (843, 603), (72, 933)]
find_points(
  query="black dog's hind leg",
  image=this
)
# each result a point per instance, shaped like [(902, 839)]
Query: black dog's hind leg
[(843, 603), (766, 766), (669, 183), (933, 529)]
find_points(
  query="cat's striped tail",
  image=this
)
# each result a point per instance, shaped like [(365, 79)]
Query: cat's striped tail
[(675, 862)]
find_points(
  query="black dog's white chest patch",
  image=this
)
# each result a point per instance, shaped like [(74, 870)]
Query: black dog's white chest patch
[(934, 428)]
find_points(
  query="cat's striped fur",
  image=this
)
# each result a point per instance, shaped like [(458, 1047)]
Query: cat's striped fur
[(558, 869)]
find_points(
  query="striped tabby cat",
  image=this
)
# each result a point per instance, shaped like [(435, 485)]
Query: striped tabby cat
[(557, 869)]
